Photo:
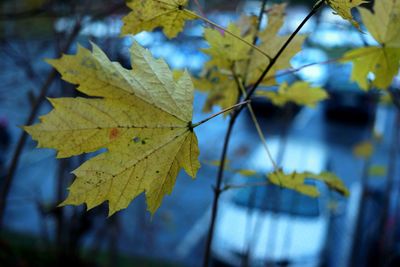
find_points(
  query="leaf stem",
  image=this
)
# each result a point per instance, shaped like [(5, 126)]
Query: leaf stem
[(227, 31), (219, 113), (255, 121)]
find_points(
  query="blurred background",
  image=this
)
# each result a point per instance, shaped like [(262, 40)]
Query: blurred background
[(360, 230)]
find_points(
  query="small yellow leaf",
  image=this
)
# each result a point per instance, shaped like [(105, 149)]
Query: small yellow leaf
[(363, 150), (377, 170), (294, 181), (297, 181), (246, 172), (146, 15), (141, 116), (300, 93), (343, 8)]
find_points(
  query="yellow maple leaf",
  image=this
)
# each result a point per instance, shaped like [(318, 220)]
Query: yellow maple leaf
[(300, 93), (297, 181), (383, 60), (146, 15), (343, 8), (224, 48), (141, 116), (271, 42)]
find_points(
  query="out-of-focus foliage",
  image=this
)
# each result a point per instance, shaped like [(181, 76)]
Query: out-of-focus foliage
[(300, 93), (364, 149), (230, 57), (298, 182), (382, 61)]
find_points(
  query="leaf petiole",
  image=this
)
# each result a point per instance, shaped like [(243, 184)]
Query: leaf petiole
[(192, 126)]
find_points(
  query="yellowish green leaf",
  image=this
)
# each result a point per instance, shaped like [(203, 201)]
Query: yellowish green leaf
[(147, 15), (343, 8), (140, 116), (300, 93), (364, 149)]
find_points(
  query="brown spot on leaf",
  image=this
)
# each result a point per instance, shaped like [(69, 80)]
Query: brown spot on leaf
[(114, 133)]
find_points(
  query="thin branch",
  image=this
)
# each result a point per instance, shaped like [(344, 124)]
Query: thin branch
[(218, 191), (239, 84), (246, 185), (281, 50), (234, 115)]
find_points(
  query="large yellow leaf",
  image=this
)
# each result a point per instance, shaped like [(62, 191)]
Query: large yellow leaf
[(149, 14), (300, 93), (384, 60), (141, 116), (343, 8)]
